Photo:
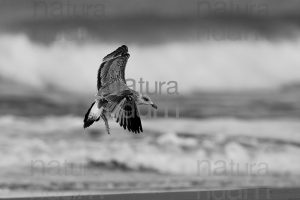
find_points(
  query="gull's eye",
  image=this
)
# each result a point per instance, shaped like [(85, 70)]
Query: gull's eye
[(145, 99)]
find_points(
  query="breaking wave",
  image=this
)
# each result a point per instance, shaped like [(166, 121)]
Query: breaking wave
[(167, 146), (214, 64)]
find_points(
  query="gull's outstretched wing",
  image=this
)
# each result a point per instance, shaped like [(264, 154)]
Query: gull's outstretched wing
[(112, 68), (124, 109)]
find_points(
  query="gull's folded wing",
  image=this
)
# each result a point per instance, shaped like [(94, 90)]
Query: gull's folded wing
[(124, 109)]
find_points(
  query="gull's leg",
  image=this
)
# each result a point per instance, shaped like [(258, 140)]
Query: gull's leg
[(103, 116)]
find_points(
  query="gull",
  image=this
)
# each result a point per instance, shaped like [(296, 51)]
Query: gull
[(114, 98)]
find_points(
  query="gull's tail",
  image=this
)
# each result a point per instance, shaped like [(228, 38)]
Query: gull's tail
[(93, 114)]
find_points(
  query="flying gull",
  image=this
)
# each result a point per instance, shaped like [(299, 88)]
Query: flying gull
[(114, 97)]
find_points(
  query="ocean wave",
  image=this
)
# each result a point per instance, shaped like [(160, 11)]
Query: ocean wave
[(21, 60), (172, 146)]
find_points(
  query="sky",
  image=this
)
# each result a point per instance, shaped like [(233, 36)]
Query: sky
[(201, 45)]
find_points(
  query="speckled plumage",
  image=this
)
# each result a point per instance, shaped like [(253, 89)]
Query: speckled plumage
[(114, 97)]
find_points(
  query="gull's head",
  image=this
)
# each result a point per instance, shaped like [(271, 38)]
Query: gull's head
[(145, 99)]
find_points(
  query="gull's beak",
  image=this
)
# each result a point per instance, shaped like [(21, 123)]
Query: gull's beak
[(154, 105)]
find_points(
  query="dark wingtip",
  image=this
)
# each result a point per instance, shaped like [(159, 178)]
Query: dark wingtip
[(85, 125), (124, 47), (122, 50), (86, 121)]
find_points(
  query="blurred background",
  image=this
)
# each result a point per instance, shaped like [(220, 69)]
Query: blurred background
[(225, 75)]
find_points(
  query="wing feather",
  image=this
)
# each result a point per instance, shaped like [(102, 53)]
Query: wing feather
[(113, 67), (99, 85), (124, 109)]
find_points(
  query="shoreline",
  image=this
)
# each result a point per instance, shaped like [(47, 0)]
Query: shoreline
[(250, 193)]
